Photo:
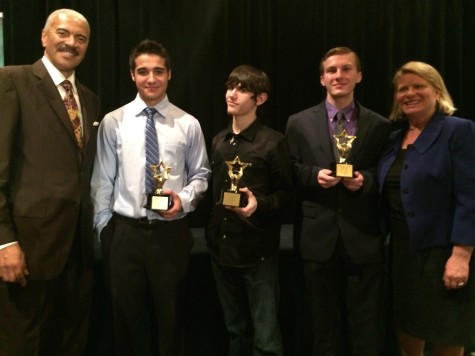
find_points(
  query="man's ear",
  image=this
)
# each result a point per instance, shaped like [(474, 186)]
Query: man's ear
[(261, 98), (132, 75)]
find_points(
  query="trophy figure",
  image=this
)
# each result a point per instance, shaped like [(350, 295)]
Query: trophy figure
[(344, 143), (157, 200), (232, 197)]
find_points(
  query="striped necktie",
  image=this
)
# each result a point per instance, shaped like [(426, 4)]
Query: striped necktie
[(151, 149)]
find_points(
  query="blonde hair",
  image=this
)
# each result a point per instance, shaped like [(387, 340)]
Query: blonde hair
[(431, 75)]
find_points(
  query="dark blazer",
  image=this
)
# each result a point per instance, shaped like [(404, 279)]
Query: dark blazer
[(328, 213), (437, 182), (44, 178)]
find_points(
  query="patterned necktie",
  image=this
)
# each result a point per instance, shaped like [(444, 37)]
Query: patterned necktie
[(151, 150), (340, 123), (73, 111)]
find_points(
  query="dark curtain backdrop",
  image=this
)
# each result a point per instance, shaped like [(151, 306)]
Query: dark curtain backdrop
[(286, 38), (207, 38)]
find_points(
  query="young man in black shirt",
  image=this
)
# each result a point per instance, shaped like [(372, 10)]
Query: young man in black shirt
[(244, 240)]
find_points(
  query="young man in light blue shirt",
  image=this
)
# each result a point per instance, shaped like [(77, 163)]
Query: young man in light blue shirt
[(147, 251)]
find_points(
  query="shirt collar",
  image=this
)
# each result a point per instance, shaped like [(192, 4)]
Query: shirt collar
[(139, 106), (332, 111), (56, 75), (248, 134)]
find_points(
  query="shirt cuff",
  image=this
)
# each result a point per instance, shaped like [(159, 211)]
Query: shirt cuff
[(8, 244)]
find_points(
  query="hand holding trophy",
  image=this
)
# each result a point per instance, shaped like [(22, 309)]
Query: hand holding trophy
[(344, 143), (232, 197), (157, 200)]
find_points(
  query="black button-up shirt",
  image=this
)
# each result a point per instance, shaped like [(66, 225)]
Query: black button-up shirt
[(237, 241)]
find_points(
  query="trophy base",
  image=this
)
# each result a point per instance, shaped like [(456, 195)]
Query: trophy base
[(158, 202), (234, 200), (343, 170)]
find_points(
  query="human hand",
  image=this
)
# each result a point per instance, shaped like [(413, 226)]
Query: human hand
[(325, 178), (250, 207), (176, 207), (355, 183), (13, 265), (457, 267)]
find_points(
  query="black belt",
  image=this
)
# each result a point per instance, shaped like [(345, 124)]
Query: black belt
[(141, 221)]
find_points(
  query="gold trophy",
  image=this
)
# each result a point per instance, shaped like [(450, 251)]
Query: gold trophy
[(157, 200), (232, 197), (344, 143)]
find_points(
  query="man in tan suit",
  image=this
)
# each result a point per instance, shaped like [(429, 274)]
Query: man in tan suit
[(46, 244)]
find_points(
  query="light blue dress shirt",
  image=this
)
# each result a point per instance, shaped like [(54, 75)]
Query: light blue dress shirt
[(118, 180)]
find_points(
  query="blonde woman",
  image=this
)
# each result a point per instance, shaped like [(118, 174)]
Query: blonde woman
[(427, 179)]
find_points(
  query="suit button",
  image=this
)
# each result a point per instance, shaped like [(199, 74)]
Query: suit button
[(411, 215), (405, 191)]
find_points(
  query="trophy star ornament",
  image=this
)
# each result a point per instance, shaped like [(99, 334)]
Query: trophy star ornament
[(160, 175), (235, 171), (232, 197), (157, 200), (344, 143)]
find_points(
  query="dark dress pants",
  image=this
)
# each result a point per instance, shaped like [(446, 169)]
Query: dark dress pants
[(144, 261), (345, 303), (47, 317)]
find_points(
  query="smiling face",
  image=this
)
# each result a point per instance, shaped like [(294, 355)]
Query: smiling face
[(151, 77), (243, 103), (340, 76), (65, 41), (416, 97)]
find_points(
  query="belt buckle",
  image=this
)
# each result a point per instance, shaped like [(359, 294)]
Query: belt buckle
[(144, 220)]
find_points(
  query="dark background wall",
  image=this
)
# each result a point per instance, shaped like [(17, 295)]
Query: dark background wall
[(286, 38), (208, 38)]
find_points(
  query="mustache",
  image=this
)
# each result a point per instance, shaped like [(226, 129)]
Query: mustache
[(66, 48)]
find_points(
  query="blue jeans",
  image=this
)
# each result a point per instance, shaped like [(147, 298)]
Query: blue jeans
[(250, 301)]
